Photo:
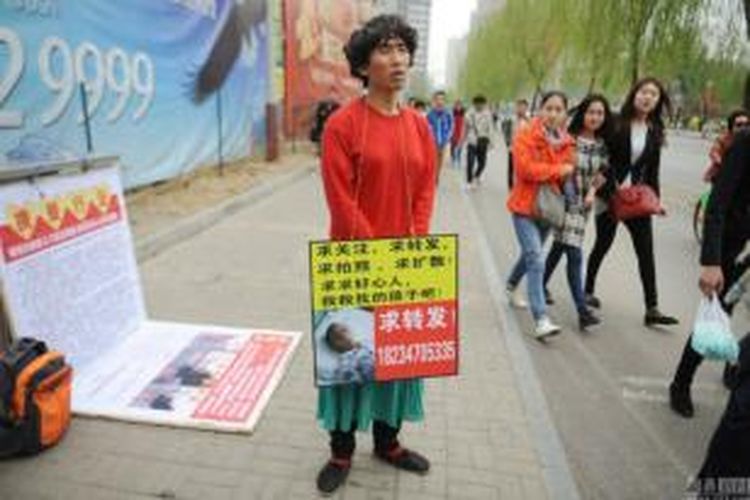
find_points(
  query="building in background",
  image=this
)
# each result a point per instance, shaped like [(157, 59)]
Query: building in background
[(455, 58), (417, 14)]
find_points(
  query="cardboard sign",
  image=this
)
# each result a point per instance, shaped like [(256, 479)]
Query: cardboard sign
[(384, 309)]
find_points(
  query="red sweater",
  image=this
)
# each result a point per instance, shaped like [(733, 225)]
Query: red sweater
[(378, 172)]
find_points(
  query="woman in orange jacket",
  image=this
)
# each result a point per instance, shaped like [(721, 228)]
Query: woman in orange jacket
[(543, 153)]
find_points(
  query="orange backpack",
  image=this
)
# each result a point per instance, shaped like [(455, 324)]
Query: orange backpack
[(35, 390)]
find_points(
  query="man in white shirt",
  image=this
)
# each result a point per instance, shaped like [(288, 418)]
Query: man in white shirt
[(479, 129)]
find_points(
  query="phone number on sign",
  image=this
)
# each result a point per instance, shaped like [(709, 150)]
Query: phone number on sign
[(406, 354), (63, 69)]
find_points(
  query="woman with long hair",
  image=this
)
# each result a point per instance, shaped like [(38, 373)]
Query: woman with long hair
[(635, 159), (543, 153), (591, 128), (378, 170)]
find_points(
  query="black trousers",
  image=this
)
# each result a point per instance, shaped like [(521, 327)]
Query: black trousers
[(729, 451), (642, 235), (691, 360), (384, 436), (476, 153), (510, 171)]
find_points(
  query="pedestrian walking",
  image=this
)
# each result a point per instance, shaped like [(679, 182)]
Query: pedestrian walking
[(323, 110), (511, 127), (635, 160), (726, 468), (441, 123), (459, 132), (479, 129), (726, 231), (738, 119), (544, 154), (591, 127), (378, 170)]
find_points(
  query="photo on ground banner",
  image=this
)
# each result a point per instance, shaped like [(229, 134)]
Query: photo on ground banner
[(384, 309)]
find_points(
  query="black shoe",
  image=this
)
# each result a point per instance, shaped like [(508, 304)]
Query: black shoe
[(404, 459), (729, 377), (656, 317), (592, 301), (548, 298), (587, 319), (680, 400), (333, 475)]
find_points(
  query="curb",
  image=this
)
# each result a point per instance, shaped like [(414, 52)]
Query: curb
[(150, 246), (555, 468)]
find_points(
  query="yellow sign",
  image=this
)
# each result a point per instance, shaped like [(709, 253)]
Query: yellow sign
[(370, 273)]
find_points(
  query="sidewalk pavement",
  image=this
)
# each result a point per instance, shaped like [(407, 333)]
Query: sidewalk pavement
[(250, 269)]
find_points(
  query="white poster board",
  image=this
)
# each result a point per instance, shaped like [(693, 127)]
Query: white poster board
[(189, 375), (68, 269), (69, 277)]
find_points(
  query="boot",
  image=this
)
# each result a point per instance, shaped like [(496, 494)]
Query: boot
[(680, 400)]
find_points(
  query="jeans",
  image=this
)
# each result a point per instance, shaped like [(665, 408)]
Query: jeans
[(575, 271), (531, 236), (456, 151)]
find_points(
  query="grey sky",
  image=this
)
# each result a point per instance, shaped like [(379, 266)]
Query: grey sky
[(450, 19)]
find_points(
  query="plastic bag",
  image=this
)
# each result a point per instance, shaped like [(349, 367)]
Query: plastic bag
[(712, 333)]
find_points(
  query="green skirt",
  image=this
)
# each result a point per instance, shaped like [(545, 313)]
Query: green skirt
[(344, 407)]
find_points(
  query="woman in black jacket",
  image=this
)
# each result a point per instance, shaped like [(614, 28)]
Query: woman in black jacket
[(636, 156)]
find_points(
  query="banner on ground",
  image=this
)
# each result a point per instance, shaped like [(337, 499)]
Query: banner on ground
[(160, 75), (69, 277), (384, 309), (189, 375)]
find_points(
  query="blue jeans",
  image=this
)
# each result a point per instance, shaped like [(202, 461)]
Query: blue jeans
[(531, 235), (575, 271)]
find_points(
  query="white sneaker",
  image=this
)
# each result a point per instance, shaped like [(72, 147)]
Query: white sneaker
[(545, 328), (515, 298)]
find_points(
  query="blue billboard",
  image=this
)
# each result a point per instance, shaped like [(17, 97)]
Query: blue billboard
[(156, 77)]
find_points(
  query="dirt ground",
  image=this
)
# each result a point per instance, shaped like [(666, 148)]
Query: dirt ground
[(154, 208)]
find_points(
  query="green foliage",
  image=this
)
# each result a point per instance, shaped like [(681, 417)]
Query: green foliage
[(604, 45)]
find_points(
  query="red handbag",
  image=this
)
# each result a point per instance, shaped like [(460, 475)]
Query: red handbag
[(639, 200)]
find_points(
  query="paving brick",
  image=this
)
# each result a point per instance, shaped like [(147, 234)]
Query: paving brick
[(475, 433), (458, 491)]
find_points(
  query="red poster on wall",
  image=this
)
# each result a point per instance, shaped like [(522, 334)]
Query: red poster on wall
[(316, 68)]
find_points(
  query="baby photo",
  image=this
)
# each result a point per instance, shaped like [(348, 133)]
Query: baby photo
[(344, 347)]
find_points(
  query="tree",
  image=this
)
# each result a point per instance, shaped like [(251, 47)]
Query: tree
[(605, 45)]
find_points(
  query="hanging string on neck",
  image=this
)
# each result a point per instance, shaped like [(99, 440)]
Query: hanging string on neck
[(359, 166)]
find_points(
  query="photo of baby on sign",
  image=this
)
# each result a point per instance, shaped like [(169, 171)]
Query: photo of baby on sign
[(344, 347)]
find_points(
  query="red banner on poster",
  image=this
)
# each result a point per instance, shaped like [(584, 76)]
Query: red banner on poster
[(36, 226), (416, 340), (316, 68)]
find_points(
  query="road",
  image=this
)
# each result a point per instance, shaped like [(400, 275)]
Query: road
[(607, 389)]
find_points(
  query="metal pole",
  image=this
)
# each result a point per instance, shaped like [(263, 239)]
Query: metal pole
[(86, 118), (220, 118)]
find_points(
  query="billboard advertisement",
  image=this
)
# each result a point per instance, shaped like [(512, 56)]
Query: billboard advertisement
[(156, 78), (316, 69)]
